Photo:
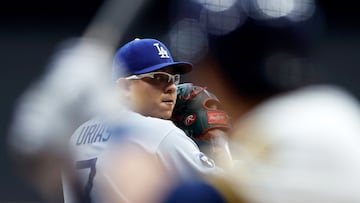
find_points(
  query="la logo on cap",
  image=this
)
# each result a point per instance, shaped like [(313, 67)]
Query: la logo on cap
[(161, 51)]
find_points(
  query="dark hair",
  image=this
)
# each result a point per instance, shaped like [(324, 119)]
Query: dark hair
[(258, 48)]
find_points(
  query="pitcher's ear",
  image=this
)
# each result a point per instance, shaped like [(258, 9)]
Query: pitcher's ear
[(124, 87), (123, 82)]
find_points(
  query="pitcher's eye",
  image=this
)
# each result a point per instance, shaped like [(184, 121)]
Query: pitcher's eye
[(161, 78)]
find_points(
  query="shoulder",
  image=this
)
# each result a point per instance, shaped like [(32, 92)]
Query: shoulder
[(170, 132), (152, 124), (155, 130), (154, 121)]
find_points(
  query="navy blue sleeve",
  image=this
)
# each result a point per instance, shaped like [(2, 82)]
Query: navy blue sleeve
[(194, 191)]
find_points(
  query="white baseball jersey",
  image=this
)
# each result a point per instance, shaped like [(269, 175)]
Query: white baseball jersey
[(300, 147), (178, 153)]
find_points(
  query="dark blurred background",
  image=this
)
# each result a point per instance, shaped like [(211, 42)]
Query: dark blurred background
[(31, 30)]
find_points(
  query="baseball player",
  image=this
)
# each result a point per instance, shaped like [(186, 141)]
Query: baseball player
[(146, 76), (292, 147), (297, 144)]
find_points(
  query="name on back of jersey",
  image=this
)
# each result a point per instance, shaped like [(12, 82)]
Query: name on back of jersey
[(89, 134)]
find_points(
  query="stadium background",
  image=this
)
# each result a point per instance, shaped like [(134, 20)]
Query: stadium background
[(30, 31)]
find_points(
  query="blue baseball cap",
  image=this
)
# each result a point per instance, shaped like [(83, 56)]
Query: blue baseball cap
[(143, 56)]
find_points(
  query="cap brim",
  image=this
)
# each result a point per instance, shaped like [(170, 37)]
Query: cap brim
[(179, 67)]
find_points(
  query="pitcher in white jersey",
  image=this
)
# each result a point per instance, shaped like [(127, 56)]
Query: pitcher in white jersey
[(146, 76)]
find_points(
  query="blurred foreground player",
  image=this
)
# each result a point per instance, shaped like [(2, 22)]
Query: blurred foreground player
[(297, 142), (50, 109)]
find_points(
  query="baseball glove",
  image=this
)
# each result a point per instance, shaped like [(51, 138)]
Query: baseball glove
[(197, 111)]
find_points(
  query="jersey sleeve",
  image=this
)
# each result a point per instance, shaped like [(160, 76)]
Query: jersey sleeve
[(182, 156)]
